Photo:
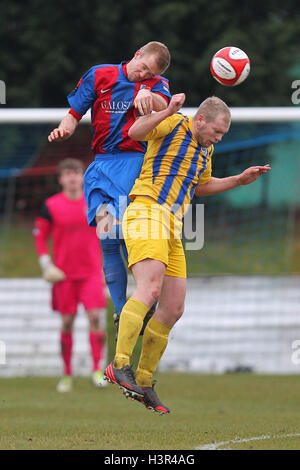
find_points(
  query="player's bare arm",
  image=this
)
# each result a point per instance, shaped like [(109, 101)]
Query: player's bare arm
[(147, 123), (220, 185), (159, 103), (64, 130), (146, 102)]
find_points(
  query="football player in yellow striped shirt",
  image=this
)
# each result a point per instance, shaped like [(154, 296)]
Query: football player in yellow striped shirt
[(177, 163)]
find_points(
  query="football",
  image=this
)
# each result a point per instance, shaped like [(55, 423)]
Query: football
[(230, 66)]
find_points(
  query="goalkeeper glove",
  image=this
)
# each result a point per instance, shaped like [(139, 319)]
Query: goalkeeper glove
[(51, 273)]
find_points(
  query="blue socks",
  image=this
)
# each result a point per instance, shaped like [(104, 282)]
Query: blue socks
[(115, 270)]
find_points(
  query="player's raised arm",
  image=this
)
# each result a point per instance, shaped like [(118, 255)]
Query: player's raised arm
[(146, 124), (65, 129), (220, 185)]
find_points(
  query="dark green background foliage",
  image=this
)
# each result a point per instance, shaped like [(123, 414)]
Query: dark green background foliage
[(47, 46)]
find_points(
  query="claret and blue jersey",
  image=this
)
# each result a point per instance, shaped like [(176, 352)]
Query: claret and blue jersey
[(118, 159), (110, 95)]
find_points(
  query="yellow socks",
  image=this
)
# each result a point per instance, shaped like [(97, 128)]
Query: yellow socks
[(131, 322), (155, 341)]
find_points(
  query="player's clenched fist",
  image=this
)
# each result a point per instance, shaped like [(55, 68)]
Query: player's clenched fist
[(58, 134), (176, 103), (144, 102)]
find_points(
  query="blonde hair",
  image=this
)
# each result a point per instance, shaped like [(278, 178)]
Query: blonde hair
[(213, 107), (163, 57)]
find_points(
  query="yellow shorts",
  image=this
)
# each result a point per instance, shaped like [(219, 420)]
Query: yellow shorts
[(151, 231)]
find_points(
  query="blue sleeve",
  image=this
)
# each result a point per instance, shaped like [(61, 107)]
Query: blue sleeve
[(162, 86), (84, 95)]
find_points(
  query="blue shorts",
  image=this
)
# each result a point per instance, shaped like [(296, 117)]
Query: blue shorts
[(108, 180)]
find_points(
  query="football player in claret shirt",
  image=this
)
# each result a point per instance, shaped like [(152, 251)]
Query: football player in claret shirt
[(116, 94), (76, 271)]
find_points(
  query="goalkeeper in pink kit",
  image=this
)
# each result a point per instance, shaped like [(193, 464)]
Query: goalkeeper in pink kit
[(75, 268)]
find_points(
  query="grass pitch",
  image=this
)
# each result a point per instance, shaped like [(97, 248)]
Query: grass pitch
[(273, 254), (205, 410)]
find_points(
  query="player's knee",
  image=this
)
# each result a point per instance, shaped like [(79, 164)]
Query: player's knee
[(94, 321), (150, 292), (67, 325), (104, 226), (155, 289), (104, 221), (94, 325), (178, 312)]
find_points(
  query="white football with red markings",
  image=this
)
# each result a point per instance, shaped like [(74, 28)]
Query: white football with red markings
[(230, 66)]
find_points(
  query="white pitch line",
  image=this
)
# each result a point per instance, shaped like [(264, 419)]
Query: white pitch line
[(216, 445)]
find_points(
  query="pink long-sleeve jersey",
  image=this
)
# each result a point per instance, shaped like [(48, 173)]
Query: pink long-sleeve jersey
[(76, 249)]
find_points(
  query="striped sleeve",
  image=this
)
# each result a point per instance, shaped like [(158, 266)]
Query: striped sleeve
[(164, 128), (205, 176)]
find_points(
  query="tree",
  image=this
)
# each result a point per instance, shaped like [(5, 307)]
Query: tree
[(49, 45)]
